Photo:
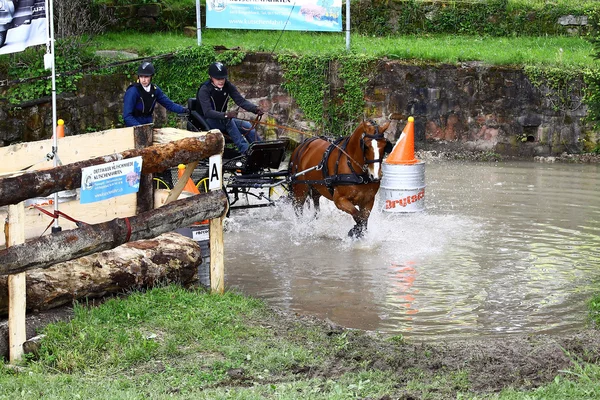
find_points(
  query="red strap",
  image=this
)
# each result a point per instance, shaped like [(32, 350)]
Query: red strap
[(55, 215), (128, 230)]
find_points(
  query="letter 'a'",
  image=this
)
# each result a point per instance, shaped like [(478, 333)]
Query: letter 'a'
[(215, 167)]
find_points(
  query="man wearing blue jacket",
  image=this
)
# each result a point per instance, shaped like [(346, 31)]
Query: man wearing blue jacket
[(142, 96)]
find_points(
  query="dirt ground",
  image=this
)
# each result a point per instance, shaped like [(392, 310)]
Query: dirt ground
[(492, 364), (518, 361)]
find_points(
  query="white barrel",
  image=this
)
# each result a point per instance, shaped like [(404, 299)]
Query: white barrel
[(402, 188)]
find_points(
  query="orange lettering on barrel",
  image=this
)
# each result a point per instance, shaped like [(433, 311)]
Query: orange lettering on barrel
[(405, 201)]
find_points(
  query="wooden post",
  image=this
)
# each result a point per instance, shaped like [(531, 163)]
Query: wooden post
[(217, 266), (143, 135), (17, 334)]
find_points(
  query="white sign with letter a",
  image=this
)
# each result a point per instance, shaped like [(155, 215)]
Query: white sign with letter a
[(215, 172)]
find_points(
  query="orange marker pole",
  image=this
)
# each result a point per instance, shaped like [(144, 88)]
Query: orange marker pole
[(60, 129), (60, 133)]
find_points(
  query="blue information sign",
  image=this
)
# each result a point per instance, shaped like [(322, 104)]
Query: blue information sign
[(105, 181), (299, 15)]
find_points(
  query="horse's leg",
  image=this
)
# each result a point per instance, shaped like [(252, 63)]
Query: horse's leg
[(361, 224), (364, 211), (299, 195), (315, 196)]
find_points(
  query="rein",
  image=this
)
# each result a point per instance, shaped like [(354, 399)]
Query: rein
[(257, 121), (341, 144)]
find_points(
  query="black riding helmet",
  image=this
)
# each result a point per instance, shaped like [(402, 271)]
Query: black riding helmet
[(146, 69), (217, 70)]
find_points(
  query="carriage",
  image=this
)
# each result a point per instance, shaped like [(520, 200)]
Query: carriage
[(346, 171), (254, 179)]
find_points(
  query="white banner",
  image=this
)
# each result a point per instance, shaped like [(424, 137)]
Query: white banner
[(297, 15), (22, 24)]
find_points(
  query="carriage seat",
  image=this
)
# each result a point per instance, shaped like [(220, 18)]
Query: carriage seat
[(196, 122), (261, 156)]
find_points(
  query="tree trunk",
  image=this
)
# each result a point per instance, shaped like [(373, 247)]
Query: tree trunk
[(88, 239), (155, 158), (168, 258)]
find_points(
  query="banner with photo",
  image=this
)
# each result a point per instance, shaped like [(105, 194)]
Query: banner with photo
[(22, 24), (298, 15)]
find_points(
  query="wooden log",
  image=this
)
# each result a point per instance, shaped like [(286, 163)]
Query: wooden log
[(88, 239), (155, 158), (170, 257)]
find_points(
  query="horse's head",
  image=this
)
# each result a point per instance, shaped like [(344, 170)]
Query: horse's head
[(373, 144)]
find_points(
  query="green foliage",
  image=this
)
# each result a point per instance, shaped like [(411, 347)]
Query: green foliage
[(560, 85), (492, 17), (592, 97), (594, 308), (180, 76), (347, 106), (124, 332), (70, 59), (307, 79), (125, 2)]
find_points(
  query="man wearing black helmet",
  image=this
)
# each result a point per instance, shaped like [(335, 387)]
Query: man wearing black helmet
[(212, 99), (141, 97)]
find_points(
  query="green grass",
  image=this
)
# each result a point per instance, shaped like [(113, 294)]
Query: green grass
[(568, 52), (171, 342)]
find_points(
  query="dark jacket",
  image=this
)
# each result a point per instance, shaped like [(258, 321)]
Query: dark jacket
[(138, 105), (212, 102)]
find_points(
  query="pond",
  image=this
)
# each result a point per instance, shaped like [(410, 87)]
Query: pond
[(500, 248)]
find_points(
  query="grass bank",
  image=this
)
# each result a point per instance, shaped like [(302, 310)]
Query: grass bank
[(175, 343), (550, 51)]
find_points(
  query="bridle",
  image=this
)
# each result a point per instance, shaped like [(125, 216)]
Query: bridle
[(377, 136)]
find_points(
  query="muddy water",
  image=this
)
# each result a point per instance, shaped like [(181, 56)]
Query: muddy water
[(500, 248)]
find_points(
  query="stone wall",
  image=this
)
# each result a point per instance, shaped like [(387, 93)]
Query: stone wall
[(466, 106)]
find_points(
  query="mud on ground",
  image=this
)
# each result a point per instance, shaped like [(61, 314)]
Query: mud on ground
[(522, 362), (491, 364)]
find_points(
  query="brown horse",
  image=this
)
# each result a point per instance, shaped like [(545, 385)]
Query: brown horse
[(346, 172)]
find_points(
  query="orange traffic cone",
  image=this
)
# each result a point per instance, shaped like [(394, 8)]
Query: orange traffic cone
[(189, 186), (404, 150)]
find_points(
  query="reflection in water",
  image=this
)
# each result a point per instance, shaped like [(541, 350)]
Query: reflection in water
[(500, 248)]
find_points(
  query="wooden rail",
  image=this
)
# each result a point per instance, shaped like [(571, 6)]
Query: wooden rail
[(21, 254)]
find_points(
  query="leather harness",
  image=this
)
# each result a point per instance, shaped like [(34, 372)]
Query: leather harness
[(335, 178)]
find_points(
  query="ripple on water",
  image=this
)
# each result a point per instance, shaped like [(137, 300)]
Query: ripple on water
[(494, 252)]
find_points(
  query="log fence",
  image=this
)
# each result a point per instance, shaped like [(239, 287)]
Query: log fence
[(26, 251)]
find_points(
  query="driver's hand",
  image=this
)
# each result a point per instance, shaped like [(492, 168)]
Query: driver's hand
[(231, 114)]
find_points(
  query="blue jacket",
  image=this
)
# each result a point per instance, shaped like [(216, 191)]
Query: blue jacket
[(135, 112)]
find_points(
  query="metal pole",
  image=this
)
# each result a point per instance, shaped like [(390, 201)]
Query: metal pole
[(347, 25), (55, 227), (198, 23)]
